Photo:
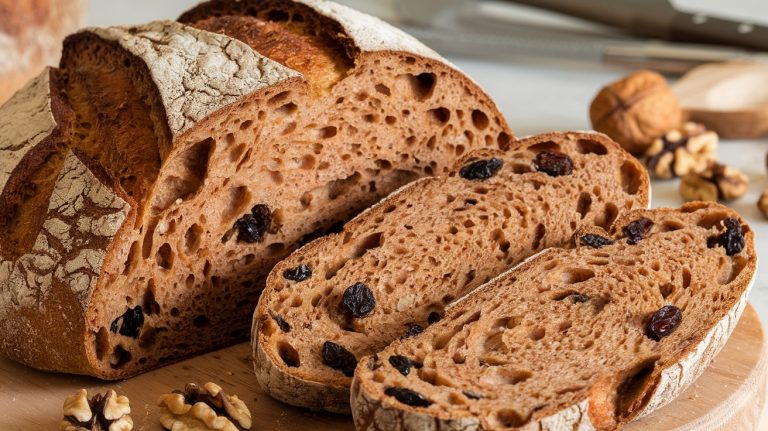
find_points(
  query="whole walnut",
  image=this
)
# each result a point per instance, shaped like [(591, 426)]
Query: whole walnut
[(636, 110)]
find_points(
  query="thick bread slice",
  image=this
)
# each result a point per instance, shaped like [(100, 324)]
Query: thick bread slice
[(227, 153), (562, 342), (425, 246)]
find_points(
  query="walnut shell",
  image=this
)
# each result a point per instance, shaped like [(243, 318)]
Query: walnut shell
[(636, 110)]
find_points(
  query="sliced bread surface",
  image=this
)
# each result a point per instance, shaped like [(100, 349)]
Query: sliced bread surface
[(587, 338), (201, 159), (392, 270)]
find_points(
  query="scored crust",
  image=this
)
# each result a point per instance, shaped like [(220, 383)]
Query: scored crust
[(197, 128), (426, 245), (615, 395)]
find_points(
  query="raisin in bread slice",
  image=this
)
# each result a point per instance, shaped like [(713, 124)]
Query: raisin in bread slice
[(149, 184), (586, 338), (393, 269)]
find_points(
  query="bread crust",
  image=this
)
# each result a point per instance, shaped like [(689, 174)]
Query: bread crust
[(199, 78), (589, 414)]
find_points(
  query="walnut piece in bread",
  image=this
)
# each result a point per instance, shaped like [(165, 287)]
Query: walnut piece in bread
[(149, 184), (581, 339), (717, 182), (203, 408), (103, 412), (681, 151), (635, 110)]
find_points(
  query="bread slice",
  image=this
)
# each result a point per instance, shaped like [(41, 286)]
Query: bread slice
[(588, 338), (148, 185), (425, 246)]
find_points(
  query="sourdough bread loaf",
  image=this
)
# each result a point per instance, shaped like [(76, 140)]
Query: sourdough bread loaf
[(151, 181), (588, 338), (31, 32), (394, 269)]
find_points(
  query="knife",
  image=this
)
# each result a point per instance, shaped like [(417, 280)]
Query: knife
[(501, 30), (659, 19)]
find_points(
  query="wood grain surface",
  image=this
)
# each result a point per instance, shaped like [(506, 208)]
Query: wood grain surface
[(729, 396)]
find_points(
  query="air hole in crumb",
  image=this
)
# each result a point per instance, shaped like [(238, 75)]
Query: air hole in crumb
[(165, 256), (666, 290), (421, 85), (327, 132), (588, 146), (119, 357), (503, 141), (287, 109), (576, 275), (508, 418), (608, 217), (192, 239), (545, 146), (190, 168), (634, 391), (102, 343), (338, 187), (539, 236), (480, 120), (383, 89), (246, 124), (238, 200), (439, 115), (288, 354), (631, 177), (584, 204)]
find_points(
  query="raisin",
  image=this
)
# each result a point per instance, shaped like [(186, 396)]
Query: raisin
[(284, 326), (636, 230), (130, 323), (664, 322), (339, 358), (434, 317), (481, 169), (732, 240), (401, 363), (553, 163), (408, 397), (413, 329), (595, 241), (359, 300), (299, 273), (252, 227), (472, 395)]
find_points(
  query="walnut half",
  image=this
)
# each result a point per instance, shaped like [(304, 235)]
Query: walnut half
[(717, 182), (205, 407), (103, 412)]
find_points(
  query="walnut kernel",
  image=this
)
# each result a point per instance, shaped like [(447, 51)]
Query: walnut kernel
[(103, 412), (717, 182), (195, 409), (682, 151)]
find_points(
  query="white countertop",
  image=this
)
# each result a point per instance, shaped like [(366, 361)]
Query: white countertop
[(538, 99)]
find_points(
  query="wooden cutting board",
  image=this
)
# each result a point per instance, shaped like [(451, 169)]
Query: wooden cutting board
[(729, 396)]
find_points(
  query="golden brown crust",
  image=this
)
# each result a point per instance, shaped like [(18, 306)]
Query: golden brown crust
[(635, 110)]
